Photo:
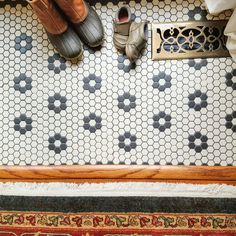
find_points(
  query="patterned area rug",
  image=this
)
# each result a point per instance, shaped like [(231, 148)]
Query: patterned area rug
[(137, 215), (104, 110), (126, 216)]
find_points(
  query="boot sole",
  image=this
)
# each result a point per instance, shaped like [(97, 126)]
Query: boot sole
[(96, 45), (74, 58)]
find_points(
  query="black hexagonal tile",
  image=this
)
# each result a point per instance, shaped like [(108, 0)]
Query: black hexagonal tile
[(92, 83), (124, 64), (126, 102), (127, 141), (229, 79), (197, 65), (202, 139), (162, 121), (23, 43), (56, 63), (92, 127), (197, 105), (161, 81), (57, 143), (23, 124), (230, 124), (197, 11), (57, 103), (22, 83)]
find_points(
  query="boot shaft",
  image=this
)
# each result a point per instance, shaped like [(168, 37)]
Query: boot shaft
[(76, 10), (49, 16)]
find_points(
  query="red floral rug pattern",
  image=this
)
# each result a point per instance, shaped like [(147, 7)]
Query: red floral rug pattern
[(105, 224)]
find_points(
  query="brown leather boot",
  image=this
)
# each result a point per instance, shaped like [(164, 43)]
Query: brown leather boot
[(60, 34), (85, 20)]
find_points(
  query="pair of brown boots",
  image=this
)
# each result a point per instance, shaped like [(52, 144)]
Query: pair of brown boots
[(67, 22)]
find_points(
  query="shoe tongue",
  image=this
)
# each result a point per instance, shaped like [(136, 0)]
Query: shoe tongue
[(123, 19), (122, 28)]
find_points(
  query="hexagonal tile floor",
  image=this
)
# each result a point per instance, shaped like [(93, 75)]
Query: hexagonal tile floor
[(105, 110)]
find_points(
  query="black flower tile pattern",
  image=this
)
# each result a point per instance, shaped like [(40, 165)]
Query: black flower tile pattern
[(92, 122), (57, 143), (57, 103), (23, 124), (126, 102), (22, 83), (102, 109), (162, 81), (162, 121), (197, 100), (197, 65), (124, 64), (198, 142), (231, 121), (56, 63), (197, 14), (23, 43), (231, 79), (92, 83), (127, 141)]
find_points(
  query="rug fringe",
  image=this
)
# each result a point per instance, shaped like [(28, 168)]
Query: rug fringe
[(119, 189)]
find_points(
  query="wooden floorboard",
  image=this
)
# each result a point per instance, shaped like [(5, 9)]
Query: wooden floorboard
[(112, 173)]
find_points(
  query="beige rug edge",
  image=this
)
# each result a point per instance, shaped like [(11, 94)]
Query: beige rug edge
[(119, 189)]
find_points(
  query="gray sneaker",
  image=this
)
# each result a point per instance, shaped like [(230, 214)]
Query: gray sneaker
[(138, 35), (121, 26)]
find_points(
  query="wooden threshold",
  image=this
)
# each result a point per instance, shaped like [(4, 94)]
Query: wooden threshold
[(113, 173)]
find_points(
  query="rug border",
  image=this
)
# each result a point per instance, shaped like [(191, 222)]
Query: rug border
[(118, 204), (124, 173)]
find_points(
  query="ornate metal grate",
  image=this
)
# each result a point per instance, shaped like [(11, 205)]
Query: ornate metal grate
[(198, 39)]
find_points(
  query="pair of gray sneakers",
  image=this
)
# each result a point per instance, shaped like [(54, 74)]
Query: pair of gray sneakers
[(129, 37)]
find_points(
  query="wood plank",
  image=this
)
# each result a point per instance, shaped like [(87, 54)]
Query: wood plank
[(215, 173)]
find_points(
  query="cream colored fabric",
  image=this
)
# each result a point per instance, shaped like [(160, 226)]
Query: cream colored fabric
[(230, 31), (217, 6), (147, 189)]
